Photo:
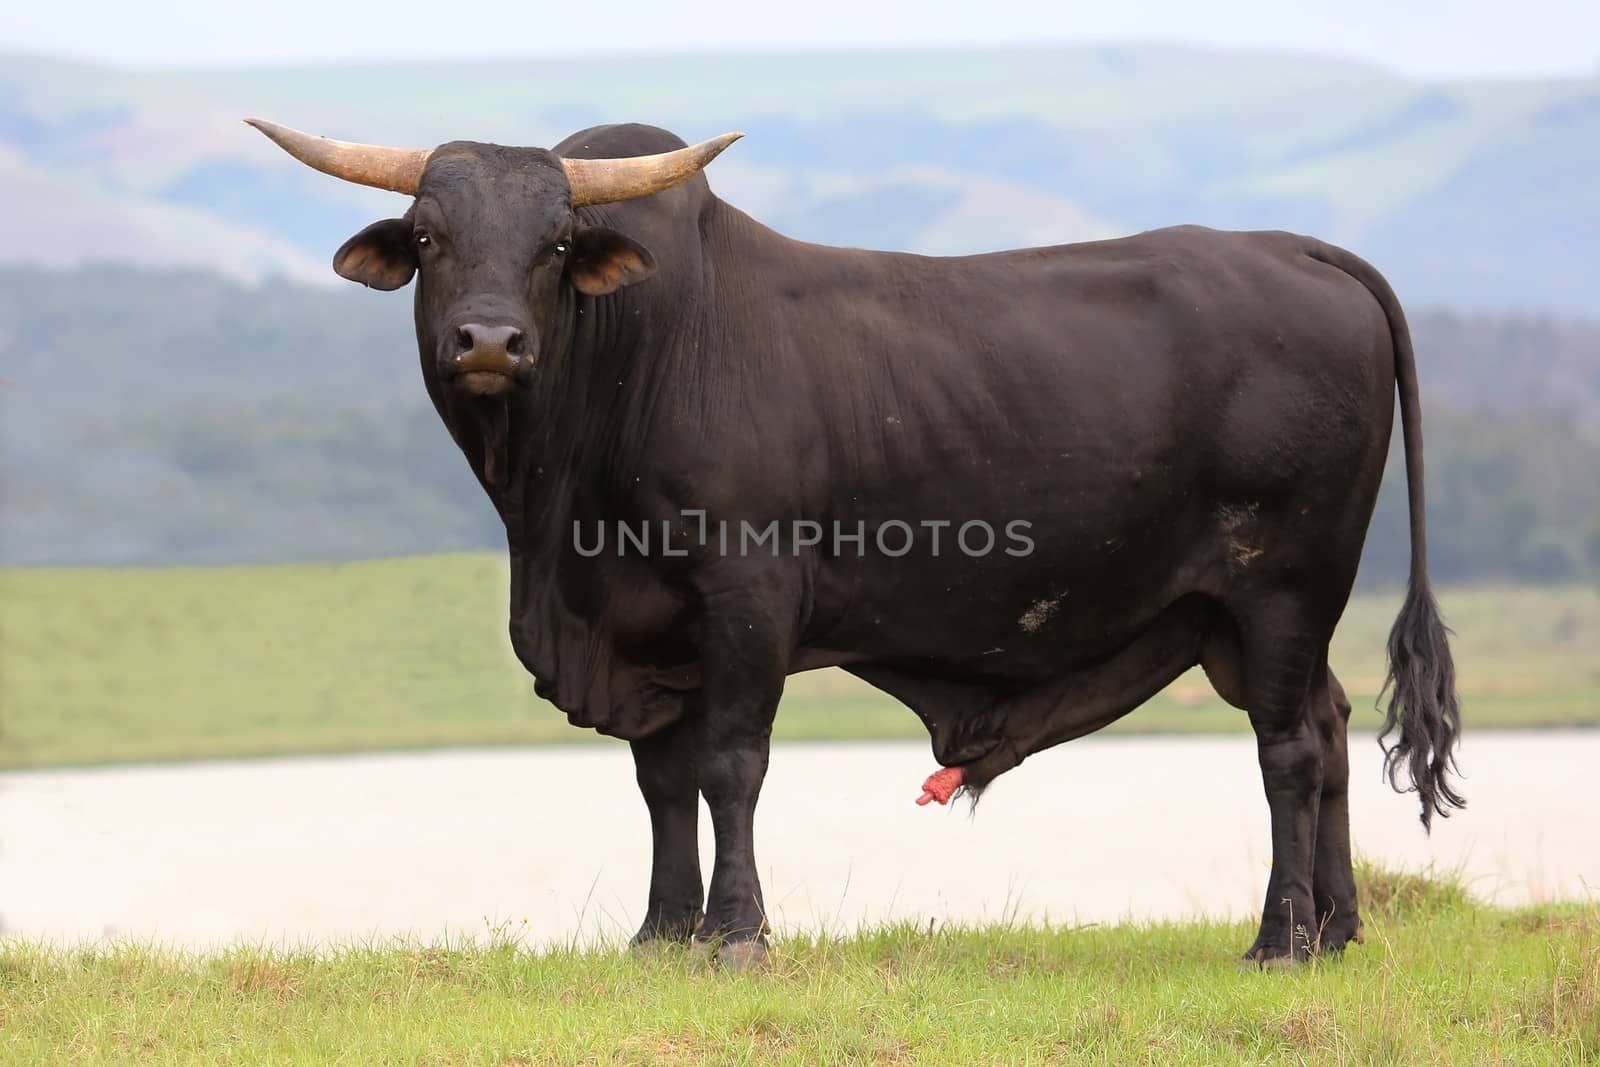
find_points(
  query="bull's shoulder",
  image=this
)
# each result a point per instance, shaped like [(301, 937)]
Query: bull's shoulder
[(617, 140)]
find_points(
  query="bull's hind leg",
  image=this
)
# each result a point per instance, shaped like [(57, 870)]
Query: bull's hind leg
[(1334, 882), (666, 765), (1283, 651)]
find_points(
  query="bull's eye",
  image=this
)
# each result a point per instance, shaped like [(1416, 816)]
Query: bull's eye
[(423, 238), (560, 248)]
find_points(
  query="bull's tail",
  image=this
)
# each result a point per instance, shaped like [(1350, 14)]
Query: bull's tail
[(1421, 683)]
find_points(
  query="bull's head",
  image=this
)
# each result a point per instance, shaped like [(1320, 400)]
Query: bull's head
[(494, 235)]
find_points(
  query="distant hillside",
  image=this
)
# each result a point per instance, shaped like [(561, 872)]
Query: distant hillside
[(176, 416), (1468, 195)]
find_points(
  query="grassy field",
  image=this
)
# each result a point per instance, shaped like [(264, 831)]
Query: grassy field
[(1440, 979), (100, 666)]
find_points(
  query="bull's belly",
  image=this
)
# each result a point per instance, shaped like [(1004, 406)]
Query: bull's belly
[(987, 724), (1004, 618)]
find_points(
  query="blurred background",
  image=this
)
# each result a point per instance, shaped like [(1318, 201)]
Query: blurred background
[(230, 523)]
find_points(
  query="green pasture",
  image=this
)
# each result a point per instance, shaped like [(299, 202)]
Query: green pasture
[(116, 665), (1440, 980)]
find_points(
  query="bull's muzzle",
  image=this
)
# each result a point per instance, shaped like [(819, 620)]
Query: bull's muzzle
[(488, 358)]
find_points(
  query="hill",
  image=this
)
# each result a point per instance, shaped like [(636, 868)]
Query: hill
[(1474, 195)]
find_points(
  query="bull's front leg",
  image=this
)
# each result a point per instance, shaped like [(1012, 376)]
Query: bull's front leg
[(746, 642), (666, 765)]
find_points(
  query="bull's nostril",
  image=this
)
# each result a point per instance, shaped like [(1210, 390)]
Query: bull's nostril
[(492, 349)]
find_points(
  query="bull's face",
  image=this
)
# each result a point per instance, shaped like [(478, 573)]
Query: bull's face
[(494, 240)]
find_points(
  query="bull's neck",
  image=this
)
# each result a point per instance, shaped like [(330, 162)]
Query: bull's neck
[(563, 442), (576, 442)]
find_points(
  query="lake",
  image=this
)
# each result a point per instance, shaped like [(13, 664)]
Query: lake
[(552, 844)]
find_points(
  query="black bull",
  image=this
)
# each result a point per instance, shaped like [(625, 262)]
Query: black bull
[(1175, 441)]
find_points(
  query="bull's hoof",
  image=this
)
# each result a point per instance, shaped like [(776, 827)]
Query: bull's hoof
[(679, 931), (729, 955), (742, 955), (1264, 959), (1336, 934), (1280, 963), (656, 948)]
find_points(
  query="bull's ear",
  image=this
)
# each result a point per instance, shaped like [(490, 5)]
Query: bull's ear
[(380, 256), (603, 261)]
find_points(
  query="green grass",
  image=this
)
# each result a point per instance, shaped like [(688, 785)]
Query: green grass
[(114, 665), (1440, 979)]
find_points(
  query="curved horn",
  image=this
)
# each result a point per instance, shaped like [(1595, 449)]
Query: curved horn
[(605, 181), (396, 169)]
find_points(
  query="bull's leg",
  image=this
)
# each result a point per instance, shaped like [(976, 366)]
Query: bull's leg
[(666, 766), (743, 654), (1334, 882), (1281, 654)]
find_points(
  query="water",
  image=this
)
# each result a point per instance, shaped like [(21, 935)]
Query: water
[(553, 843)]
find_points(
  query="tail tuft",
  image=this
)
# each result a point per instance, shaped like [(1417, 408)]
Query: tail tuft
[(1423, 704)]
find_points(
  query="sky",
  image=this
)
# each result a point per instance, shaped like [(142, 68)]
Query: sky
[(1423, 38)]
